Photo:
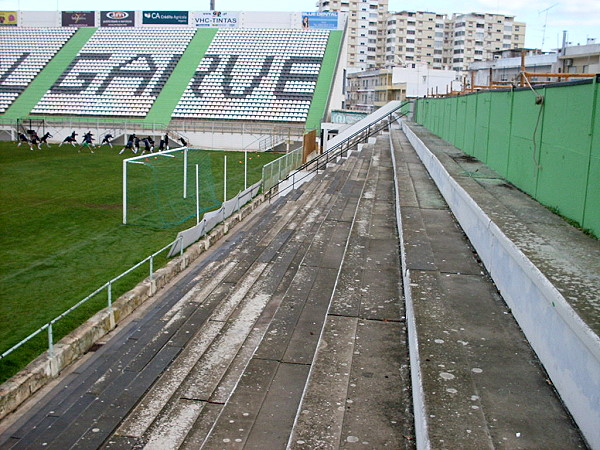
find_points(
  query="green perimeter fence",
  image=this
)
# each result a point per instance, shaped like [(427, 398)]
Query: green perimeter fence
[(544, 140)]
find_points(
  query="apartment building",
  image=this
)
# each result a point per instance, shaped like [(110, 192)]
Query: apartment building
[(475, 37), (414, 36), (366, 29), (378, 38), (368, 90)]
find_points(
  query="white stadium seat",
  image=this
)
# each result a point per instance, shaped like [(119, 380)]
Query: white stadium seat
[(25, 52)]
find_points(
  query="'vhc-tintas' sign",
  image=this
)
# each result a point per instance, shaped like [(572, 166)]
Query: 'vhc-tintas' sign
[(220, 19)]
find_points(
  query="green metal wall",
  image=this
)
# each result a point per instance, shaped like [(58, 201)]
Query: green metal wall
[(549, 150)]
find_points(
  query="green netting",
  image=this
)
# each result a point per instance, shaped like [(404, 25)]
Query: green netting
[(155, 184), (155, 189)]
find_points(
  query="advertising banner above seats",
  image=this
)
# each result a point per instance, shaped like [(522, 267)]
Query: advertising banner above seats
[(78, 18), (8, 18), (165, 17), (220, 19), (117, 18), (321, 20)]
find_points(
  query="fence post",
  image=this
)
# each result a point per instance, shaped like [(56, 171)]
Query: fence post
[(50, 341), (151, 267), (111, 314)]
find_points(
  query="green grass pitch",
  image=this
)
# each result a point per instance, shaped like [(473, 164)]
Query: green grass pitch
[(61, 236)]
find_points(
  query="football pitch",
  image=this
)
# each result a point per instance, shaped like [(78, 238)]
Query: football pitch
[(62, 237)]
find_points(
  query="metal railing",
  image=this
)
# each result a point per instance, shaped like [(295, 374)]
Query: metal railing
[(281, 167), (108, 286), (281, 174), (340, 149)]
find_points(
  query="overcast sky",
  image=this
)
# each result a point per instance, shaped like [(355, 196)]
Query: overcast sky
[(581, 18)]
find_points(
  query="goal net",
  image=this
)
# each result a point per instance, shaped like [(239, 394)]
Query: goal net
[(159, 189)]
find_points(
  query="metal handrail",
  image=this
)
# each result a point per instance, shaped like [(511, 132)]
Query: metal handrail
[(340, 149), (309, 167), (108, 286)]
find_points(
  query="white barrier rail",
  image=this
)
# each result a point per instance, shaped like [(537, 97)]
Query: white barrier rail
[(211, 219), (108, 286), (280, 168)]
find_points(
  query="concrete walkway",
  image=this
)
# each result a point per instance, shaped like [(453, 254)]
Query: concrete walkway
[(481, 384), (292, 333)]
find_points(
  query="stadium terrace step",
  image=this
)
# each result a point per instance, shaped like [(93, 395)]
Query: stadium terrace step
[(293, 332), (358, 392), (198, 337), (253, 352), (476, 380)]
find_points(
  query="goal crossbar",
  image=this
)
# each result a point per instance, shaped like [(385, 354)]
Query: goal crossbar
[(135, 160)]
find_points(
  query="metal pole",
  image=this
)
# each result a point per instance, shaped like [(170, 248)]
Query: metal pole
[(522, 81), (151, 267), (225, 179), (245, 170), (124, 192), (185, 163), (197, 197), (50, 343)]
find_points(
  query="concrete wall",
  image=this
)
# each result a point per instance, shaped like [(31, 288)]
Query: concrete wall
[(420, 80), (245, 140), (550, 150), (336, 95), (566, 346)]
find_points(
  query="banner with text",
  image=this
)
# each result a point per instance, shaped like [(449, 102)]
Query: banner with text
[(220, 19), (78, 18), (8, 18), (322, 20), (117, 19), (165, 17)]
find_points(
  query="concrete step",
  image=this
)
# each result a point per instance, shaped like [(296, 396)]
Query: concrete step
[(183, 398), (476, 381), (265, 402), (130, 354), (358, 393)]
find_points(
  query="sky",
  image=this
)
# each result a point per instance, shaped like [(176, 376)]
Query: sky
[(545, 19)]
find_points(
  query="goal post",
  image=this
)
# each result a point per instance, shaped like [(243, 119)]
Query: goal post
[(159, 189), (140, 160)]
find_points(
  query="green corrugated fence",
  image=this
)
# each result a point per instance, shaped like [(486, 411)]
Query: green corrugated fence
[(550, 150)]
